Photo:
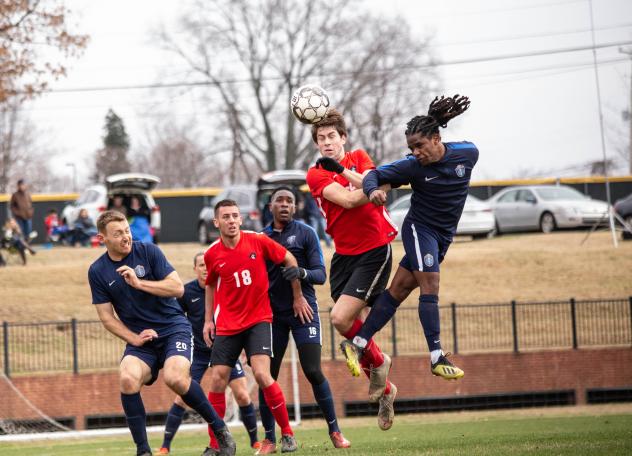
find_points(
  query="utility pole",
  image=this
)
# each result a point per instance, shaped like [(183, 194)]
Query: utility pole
[(628, 111)]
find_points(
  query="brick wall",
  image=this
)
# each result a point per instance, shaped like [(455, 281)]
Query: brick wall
[(68, 395)]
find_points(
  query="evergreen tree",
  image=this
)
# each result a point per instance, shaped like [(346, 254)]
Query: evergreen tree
[(112, 158)]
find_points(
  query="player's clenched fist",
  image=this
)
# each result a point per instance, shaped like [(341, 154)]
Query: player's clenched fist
[(378, 197), (329, 164)]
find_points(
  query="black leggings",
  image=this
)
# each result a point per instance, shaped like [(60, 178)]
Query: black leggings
[(309, 357)]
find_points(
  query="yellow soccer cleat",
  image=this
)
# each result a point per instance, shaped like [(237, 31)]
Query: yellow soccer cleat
[(444, 368), (352, 353)]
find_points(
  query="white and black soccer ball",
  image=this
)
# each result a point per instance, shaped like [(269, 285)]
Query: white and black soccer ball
[(310, 104)]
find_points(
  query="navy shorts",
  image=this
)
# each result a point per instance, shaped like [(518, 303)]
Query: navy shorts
[(303, 333), (202, 361), (425, 248), (156, 352)]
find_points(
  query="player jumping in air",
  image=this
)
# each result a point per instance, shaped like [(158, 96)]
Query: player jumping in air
[(136, 280), (361, 264), (302, 241), (238, 313), (439, 174), (192, 302)]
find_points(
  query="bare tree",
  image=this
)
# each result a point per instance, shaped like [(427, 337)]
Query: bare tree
[(256, 53), (28, 30), (21, 154), (175, 155)]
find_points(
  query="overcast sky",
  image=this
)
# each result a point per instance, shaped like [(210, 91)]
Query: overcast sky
[(535, 114)]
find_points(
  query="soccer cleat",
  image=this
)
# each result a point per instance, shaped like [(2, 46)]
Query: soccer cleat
[(352, 353), (339, 440), (208, 451), (256, 445), (444, 368), (386, 412), (145, 453), (266, 447), (377, 379), (227, 445), (288, 444), (162, 450)]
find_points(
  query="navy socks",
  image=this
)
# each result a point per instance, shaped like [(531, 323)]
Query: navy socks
[(429, 318), (135, 416)]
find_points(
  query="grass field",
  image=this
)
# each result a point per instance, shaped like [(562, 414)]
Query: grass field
[(523, 267), (586, 430)]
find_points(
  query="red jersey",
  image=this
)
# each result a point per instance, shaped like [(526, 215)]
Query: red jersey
[(240, 278), (356, 230)]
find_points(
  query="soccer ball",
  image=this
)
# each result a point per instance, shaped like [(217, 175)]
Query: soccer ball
[(310, 104)]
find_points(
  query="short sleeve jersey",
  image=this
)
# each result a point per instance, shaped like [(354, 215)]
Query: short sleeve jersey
[(192, 302), (356, 230), (241, 282), (137, 309)]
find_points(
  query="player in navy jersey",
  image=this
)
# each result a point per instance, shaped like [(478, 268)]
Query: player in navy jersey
[(302, 241), (192, 302), (439, 174), (136, 281)]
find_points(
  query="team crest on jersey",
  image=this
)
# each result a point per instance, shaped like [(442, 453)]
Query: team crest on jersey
[(460, 170), (139, 270), (253, 255), (291, 240), (428, 260)]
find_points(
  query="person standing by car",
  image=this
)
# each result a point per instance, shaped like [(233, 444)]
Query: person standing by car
[(22, 208)]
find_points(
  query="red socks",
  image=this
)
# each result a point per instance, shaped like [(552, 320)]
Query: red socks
[(372, 353), (218, 401), (276, 403)]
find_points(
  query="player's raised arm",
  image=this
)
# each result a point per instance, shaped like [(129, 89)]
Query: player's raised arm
[(209, 322), (393, 175), (116, 326), (169, 287)]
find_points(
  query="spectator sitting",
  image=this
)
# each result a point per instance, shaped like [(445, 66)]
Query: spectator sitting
[(138, 217), (12, 237), (117, 205), (55, 231), (84, 229)]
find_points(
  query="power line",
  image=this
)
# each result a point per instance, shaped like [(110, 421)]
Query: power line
[(388, 70)]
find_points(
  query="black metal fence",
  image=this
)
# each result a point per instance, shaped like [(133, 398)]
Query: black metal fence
[(517, 326)]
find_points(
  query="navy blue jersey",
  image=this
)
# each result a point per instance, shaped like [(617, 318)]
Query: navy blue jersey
[(302, 241), (439, 189), (192, 302), (137, 309)]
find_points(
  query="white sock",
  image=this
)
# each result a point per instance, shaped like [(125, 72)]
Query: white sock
[(360, 341), (434, 355)]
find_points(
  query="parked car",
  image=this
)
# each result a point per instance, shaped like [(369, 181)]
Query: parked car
[(545, 208), (623, 208), (97, 198), (477, 219), (252, 201)]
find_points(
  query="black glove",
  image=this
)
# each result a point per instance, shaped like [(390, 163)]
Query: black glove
[(293, 272), (329, 164)]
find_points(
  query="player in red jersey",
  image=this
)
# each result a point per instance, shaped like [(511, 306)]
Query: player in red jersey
[(238, 313), (361, 264)]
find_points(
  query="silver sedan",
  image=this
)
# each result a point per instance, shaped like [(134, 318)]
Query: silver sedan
[(545, 208), (477, 219)]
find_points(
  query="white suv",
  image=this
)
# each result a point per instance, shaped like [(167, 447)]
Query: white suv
[(98, 198)]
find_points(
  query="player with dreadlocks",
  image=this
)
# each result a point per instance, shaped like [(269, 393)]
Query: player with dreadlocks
[(439, 174)]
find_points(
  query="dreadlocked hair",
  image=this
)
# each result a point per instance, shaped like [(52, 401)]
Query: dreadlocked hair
[(440, 112)]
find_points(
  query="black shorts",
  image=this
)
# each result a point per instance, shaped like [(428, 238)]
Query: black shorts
[(363, 276), (256, 340)]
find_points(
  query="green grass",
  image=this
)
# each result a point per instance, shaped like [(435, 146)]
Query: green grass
[(501, 433)]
